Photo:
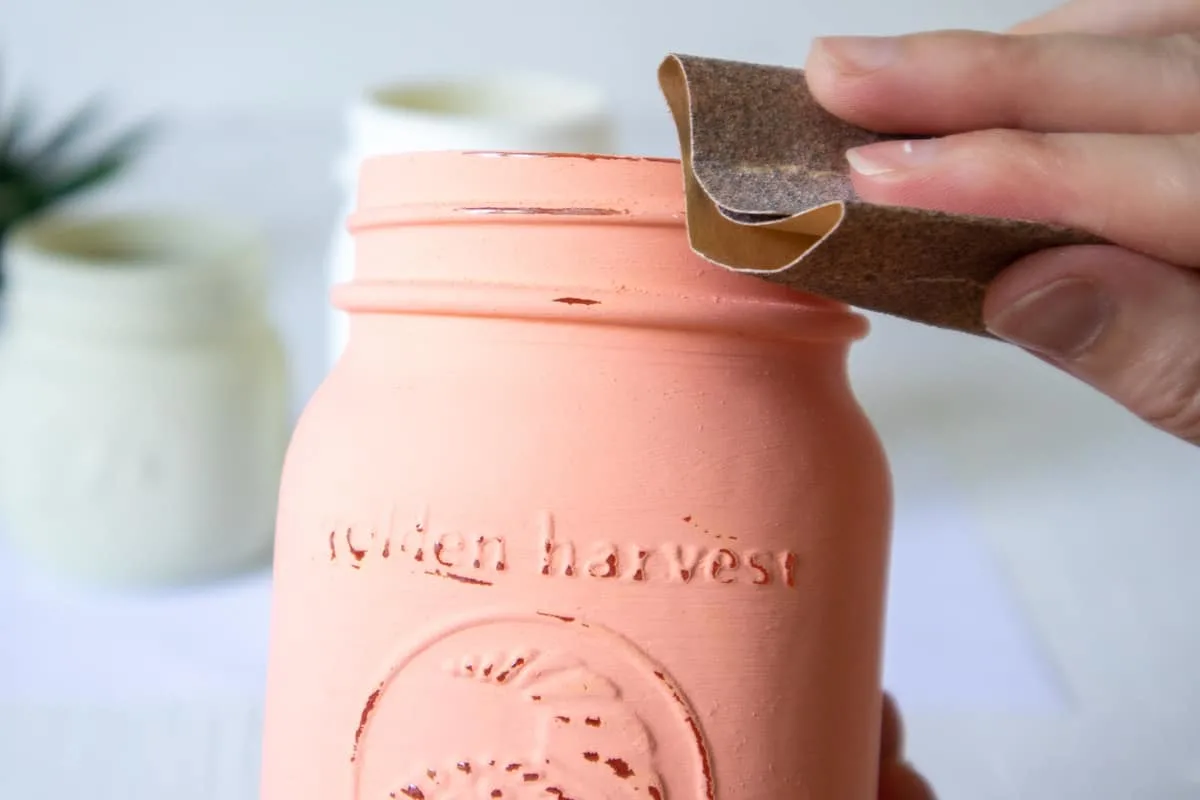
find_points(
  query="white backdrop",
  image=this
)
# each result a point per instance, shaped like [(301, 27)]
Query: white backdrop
[(272, 55), (1086, 518)]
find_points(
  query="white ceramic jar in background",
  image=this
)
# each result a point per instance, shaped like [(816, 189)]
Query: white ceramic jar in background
[(507, 111), (143, 399)]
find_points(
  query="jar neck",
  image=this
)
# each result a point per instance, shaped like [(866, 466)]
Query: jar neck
[(573, 239)]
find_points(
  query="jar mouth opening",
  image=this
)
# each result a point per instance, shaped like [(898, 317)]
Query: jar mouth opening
[(513, 98), (130, 242)]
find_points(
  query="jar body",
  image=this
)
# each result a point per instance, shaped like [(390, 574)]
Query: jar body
[(137, 449), (134, 465), (575, 554)]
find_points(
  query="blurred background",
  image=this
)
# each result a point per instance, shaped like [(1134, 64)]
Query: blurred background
[(1042, 629)]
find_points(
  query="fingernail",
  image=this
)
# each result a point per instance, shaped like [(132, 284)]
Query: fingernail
[(859, 54), (881, 158), (1061, 319)]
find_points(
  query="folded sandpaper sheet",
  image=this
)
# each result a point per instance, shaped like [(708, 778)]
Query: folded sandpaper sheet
[(769, 194)]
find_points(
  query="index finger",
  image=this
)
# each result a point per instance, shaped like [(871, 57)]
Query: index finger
[(1117, 18)]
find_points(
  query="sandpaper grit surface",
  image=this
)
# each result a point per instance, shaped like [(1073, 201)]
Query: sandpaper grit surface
[(769, 194)]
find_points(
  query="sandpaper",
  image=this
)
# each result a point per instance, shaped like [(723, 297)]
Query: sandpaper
[(769, 194)]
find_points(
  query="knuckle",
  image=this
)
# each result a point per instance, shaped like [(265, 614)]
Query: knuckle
[(1011, 67), (1046, 151), (1007, 162), (1182, 55), (1006, 55), (1004, 150), (1173, 403), (1018, 70), (1023, 57), (1181, 75), (1177, 184)]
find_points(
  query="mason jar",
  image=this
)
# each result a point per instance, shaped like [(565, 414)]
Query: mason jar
[(143, 399), (576, 514)]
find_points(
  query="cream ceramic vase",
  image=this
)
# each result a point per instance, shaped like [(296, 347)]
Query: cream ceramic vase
[(143, 404), (506, 111), (576, 514)]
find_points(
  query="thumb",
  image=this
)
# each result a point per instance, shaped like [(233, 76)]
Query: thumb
[(1127, 324)]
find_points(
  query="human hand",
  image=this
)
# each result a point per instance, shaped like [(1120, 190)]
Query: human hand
[(897, 780), (1086, 117)]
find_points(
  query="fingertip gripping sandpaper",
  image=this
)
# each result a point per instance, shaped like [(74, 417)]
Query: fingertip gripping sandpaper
[(768, 193)]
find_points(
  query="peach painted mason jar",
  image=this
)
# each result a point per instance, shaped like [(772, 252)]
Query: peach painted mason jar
[(576, 514)]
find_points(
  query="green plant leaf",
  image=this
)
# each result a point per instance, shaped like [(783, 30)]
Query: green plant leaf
[(12, 202), (13, 130), (82, 177), (101, 166), (70, 131), (38, 172)]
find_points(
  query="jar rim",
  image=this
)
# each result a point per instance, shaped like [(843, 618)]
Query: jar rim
[(123, 241), (129, 242), (515, 98), (393, 187), (137, 271)]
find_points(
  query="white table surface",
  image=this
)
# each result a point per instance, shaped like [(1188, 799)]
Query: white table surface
[(1042, 633), (101, 662)]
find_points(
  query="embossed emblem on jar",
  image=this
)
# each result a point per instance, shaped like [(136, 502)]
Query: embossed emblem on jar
[(584, 714)]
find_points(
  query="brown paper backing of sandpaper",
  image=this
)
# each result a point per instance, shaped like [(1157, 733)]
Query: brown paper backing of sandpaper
[(769, 194)]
